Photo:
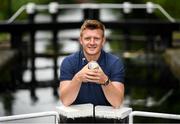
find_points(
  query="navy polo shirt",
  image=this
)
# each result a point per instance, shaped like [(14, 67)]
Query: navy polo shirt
[(92, 92)]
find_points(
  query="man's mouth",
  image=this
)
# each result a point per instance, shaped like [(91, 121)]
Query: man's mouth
[(92, 48)]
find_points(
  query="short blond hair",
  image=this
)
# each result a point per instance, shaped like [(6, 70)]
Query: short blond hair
[(92, 24)]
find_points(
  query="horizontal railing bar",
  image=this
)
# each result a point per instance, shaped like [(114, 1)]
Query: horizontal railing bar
[(108, 6), (40, 68), (136, 25), (49, 55), (137, 37), (93, 6), (41, 83), (96, 6), (30, 115), (152, 114)]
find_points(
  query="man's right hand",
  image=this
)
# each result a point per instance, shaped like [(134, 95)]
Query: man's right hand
[(87, 75), (81, 76)]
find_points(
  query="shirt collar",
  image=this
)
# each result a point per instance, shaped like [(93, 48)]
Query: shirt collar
[(84, 60)]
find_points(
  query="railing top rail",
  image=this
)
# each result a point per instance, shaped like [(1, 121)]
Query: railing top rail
[(126, 6), (31, 115), (100, 6), (152, 114)]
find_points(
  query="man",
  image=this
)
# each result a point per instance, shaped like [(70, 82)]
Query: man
[(79, 84)]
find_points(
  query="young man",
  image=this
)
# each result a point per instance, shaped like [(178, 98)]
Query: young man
[(79, 84)]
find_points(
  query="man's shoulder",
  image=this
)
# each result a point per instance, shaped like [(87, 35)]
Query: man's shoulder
[(73, 56), (111, 57), (71, 60)]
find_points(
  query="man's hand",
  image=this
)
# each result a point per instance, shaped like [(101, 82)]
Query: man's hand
[(98, 76), (81, 75), (91, 75), (103, 77)]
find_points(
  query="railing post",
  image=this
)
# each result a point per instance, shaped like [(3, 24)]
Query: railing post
[(15, 39), (30, 9), (127, 40), (53, 10), (17, 69), (167, 39)]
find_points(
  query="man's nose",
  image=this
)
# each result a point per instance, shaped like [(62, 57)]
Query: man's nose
[(92, 41)]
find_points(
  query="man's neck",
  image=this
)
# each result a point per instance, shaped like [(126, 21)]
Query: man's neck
[(92, 57)]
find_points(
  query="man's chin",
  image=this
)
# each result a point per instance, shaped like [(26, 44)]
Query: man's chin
[(92, 53)]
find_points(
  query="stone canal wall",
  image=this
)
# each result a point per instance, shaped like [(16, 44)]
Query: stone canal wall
[(7, 58), (172, 57)]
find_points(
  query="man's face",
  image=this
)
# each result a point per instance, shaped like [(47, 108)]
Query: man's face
[(92, 41)]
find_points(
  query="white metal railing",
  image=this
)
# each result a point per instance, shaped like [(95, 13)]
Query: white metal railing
[(152, 114), (56, 120), (14, 118), (126, 6)]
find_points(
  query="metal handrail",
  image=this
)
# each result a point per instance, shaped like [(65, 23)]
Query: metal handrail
[(95, 6), (31, 115), (152, 114), (165, 13), (16, 14)]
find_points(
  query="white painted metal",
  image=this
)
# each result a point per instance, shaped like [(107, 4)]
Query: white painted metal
[(150, 7), (152, 114), (12, 118), (16, 14)]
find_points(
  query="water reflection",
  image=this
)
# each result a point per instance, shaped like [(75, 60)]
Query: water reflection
[(7, 99), (20, 102), (151, 86)]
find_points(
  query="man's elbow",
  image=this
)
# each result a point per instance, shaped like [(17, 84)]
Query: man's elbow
[(117, 104), (64, 101)]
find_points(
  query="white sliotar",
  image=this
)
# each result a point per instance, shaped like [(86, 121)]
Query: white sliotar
[(93, 65)]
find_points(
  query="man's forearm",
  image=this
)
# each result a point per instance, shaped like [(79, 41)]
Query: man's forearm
[(114, 94), (69, 91)]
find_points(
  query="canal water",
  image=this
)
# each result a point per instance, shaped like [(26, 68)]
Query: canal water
[(149, 85)]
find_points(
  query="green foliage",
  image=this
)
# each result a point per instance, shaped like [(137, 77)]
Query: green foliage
[(171, 6), (16, 5), (4, 37), (8, 7), (4, 9)]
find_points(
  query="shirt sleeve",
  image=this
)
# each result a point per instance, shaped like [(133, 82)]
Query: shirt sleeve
[(117, 71), (66, 70)]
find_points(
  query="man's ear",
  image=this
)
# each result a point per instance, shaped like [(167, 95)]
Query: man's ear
[(104, 40), (80, 40)]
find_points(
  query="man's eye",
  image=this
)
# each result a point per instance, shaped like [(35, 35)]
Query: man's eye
[(96, 39), (87, 38)]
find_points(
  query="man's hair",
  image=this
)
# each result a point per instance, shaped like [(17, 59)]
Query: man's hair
[(92, 24)]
